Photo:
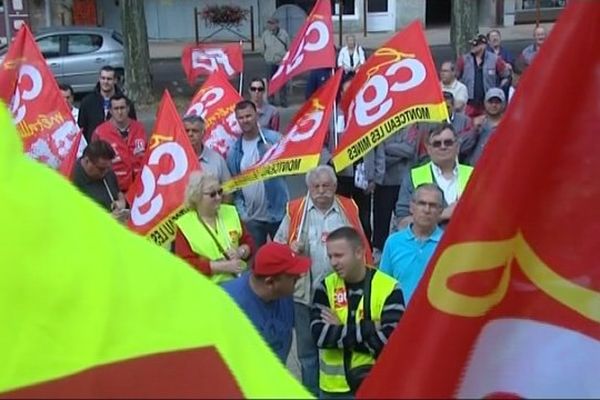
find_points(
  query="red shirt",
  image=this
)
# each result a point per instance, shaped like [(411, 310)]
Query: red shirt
[(129, 150)]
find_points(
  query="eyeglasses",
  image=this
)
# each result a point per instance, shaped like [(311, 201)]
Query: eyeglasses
[(446, 143), (214, 193), (257, 89)]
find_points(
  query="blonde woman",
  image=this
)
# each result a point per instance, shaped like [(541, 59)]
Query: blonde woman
[(211, 236)]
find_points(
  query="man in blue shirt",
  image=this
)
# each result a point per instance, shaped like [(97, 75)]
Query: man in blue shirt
[(406, 253), (265, 294)]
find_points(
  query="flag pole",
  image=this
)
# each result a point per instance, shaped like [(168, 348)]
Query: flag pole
[(242, 72), (262, 135), (303, 219), (335, 117)]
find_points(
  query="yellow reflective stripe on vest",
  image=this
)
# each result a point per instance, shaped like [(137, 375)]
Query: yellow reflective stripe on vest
[(203, 244), (332, 377), (424, 174)]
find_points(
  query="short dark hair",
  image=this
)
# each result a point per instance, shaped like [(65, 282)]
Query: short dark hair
[(98, 149), (65, 87), (120, 96), (193, 119), (108, 68), (348, 234), (439, 128), (256, 79), (242, 105)]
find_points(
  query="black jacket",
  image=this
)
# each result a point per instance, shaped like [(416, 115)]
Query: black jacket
[(91, 112)]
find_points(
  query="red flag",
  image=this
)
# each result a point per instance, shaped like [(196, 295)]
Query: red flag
[(312, 47), (215, 102), (41, 114), (79, 144), (397, 86), (158, 191), (205, 59), (300, 149), (510, 304)]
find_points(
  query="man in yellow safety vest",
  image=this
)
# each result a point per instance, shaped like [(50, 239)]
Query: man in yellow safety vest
[(356, 306)]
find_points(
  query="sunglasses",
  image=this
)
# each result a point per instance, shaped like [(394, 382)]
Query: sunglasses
[(257, 89), (214, 193), (446, 143)]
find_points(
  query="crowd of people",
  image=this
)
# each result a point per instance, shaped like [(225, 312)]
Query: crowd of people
[(339, 265)]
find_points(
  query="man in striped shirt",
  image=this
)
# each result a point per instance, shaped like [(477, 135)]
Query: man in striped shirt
[(355, 310)]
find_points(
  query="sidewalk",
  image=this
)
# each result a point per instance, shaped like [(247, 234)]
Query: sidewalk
[(171, 49)]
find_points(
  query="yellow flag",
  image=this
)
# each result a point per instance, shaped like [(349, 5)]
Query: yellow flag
[(89, 309)]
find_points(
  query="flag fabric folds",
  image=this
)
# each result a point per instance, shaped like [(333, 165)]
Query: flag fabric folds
[(510, 303), (312, 47), (205, 59), (300, 149), (42, 116), (158, 193), (397, 86), (215, 102), (96, 311)]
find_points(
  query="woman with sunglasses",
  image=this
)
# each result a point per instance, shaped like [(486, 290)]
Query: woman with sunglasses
[(211, 236), (268, 115)]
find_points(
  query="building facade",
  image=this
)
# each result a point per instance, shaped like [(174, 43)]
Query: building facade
[(174, 19)]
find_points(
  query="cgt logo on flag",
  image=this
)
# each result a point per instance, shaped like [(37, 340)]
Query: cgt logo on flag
[(392, 90), (215, 102), (210, 60), (201, 60), (158, 192)]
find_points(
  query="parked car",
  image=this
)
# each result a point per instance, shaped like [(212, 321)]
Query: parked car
[(75, 54)]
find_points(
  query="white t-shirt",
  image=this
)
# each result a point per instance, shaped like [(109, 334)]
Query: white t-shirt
[(254, 195)]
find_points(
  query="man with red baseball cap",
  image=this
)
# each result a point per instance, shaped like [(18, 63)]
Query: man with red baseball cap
[(265, 294)]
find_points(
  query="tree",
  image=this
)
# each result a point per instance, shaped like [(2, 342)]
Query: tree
[(138, 80), (464, 24)]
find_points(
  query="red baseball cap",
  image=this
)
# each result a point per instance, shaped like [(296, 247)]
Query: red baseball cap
[(276, 258)]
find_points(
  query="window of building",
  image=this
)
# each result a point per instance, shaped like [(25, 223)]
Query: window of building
[(349, 7), (82, 44), (532, 4)]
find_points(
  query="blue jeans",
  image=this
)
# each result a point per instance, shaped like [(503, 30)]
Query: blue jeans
[(259, 231), (308, 353)]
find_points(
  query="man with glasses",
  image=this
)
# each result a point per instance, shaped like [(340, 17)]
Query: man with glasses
[(407, 253), (268, 115), (93, 176), (127, 137), (305, 228), (443, 169)]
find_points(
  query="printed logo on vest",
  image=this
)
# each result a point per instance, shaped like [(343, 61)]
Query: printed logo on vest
[(340, 299), (234, 236), (139, 146)]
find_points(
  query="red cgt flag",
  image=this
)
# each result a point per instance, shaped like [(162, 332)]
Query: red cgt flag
[(158, 191), (41, 115), (510, 303), (312, 47), (206, 59), (300, 149), (397, 86), (215, 102)]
